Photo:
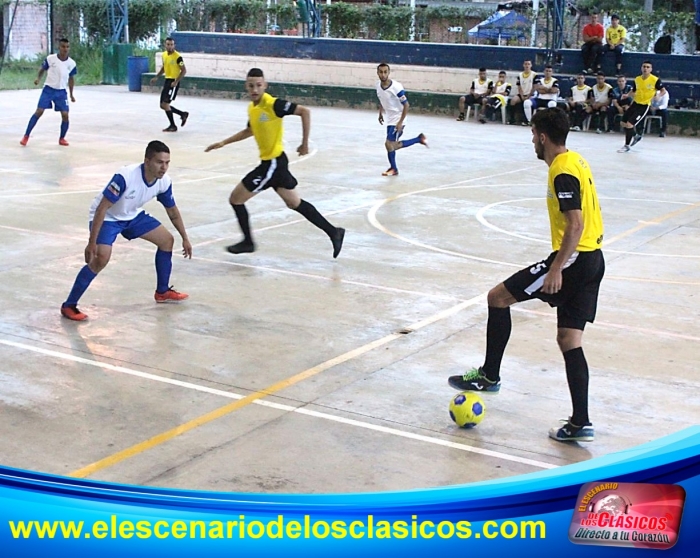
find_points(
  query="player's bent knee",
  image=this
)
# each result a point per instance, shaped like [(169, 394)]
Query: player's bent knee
[(499, 297)]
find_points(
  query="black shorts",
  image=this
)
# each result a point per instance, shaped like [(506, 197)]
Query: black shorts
[(635, 113), (168, 94), (270, 174), (577, 300)]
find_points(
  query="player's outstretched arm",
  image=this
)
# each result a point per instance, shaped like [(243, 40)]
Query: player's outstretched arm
[(243, 134), (38, 76), (305, 114), (183, 72), (160, 73), (71, 84), (176, 219)]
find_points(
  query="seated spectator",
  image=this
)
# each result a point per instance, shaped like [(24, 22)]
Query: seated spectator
[(547, 91), (578, 103), (592, 49), (480, 89), (659, 107), (524, 86), (621, 99), (499, 97), (615, 41), (599, 96)]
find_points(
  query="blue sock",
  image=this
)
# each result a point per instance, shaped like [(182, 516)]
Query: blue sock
[(164, 265), (64, 129), (82, 282), (32, 122), (392, 159), (409, 143)]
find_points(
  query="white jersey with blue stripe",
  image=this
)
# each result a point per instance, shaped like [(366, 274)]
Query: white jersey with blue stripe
[(58, 71), (129, 192), (392, 99)]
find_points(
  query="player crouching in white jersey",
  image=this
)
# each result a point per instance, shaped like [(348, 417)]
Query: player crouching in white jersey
[(118, 210)]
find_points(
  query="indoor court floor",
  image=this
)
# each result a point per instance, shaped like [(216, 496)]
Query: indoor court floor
[(289, 371)]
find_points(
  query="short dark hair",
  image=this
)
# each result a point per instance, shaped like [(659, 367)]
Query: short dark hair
[(383, 65), (621, 76), (154, 147), (502, 72), (255, 72), (615, 16), (482, 69), (63, 40), (598, 74), (549, 66), (169, 39), (648, 62), (553, 123)]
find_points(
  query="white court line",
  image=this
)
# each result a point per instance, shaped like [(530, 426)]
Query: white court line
[(288, 408), (145, 248), (480, 217), (372, 215), (279, 225)]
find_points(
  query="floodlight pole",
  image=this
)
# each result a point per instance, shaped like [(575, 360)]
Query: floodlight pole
[(412, 30), (555, 31), (118, 14)]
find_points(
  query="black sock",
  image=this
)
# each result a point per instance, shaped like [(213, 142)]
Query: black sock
[(243, 221), (577, 377), (312, 215), (497, 334), (169, 114), (175, 111), (629, 134)]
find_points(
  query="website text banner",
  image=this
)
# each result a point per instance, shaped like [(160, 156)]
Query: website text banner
[(646, 497)]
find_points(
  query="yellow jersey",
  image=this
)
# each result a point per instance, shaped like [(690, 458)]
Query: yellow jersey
[(265, 121), (571, 187), (645, 89), (172, 64), (615, 35)]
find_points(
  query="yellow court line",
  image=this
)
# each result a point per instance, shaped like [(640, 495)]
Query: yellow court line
[(646, 224), (274, 388)]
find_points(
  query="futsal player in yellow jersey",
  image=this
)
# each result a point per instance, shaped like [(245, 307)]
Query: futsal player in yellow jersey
[(644, 89), (568, 279), (174, 70), (265, 114)]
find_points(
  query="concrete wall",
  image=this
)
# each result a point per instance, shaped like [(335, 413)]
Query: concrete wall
[(324, 72), (29, 34), (669, 67)]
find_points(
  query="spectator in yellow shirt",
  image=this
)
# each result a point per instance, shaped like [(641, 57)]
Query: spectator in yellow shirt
[(615, 41)]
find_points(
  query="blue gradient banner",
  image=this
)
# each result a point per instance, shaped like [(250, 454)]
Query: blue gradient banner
[(46, 515)]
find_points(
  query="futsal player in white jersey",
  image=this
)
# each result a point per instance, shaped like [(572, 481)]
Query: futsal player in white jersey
[(524, 86), (547, 90), (60, 73), (394, 105), (118, 210)]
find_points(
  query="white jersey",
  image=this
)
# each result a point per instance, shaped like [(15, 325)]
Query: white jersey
[(502, 89), (128, 191), (580, 94), (525, 82), (601, 95), (660, 102), (481, 87), (58, 71), (551, 82), (392, 99)]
